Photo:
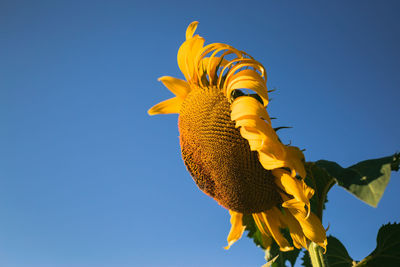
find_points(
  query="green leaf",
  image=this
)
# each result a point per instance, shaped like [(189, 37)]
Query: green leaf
[(336, 255), (366, 180), (387, 252)]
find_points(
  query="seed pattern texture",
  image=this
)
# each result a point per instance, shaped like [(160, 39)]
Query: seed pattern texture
[(219, 158)]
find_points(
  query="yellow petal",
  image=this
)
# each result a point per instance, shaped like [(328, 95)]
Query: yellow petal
[(191, 29), (248, 79), (274, 149), (249, 133), (258, 221), (298, 237), (296, 204), (295, 187), (193, 53), (296, 158), (271, 219), (264, 132), (172, 105), (266, 238), (182, 54), (250, 120), (177, 86), (214, 49), (262, 138), (309, 192), (312, 227), (237, 228), (210, 65), (244, 62), (253, 137), (269, 162), (187, 55), (249, 114), (244, 106)]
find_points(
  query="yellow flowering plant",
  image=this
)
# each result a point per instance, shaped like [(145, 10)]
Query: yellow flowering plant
[(235, 156)]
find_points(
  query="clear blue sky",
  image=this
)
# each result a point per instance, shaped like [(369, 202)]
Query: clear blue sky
[(87, 178)]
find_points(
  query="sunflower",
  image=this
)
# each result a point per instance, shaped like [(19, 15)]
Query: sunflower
[(230, 148)]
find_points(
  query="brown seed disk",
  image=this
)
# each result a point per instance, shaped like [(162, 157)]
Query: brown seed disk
[(219, 158)]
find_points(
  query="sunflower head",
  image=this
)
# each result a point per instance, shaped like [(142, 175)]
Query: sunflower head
[(230, 148), (219, 158)]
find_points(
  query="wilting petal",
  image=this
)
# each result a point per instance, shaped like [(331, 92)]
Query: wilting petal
[(177, 86), (172, 105), (237, 228)]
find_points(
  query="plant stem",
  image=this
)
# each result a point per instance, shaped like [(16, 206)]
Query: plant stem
[(317, 256)]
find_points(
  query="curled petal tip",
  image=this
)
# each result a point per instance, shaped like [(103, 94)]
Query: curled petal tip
[(191, 29)]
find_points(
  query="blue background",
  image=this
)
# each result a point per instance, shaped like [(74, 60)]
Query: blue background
[(87, 178)]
